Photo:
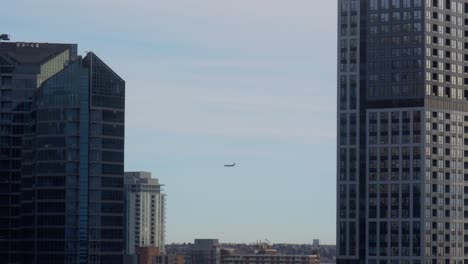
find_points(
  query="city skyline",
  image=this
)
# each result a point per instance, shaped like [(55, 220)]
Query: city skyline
[(211, 83)]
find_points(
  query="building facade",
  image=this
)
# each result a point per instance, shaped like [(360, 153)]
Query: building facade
[(147, 255), (267, 256), (204, 251), (170, 259), (20, 76), (272, 259), (402, 131), (63, 125), (152, 255), (145, 212), (316, 243)]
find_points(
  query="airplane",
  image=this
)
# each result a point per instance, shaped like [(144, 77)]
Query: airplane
[(230, 165)]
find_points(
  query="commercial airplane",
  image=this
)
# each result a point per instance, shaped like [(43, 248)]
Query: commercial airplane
[(230, 165)]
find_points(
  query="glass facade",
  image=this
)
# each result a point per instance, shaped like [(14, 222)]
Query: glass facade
[(106, 162), (406, 60), (394, 183), (395, 50), (19, 75), (349, 156), (71, 161)]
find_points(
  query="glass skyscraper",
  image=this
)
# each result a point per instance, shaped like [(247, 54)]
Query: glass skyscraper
[(402, 171), (61, 163)]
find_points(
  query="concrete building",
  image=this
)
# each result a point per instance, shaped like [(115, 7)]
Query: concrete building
[(402, 150), (170, 259), (204, 251), (316, 243), (271, 259), (152, 255), (147, 255), (269, 256), (144, 212), (61, 156)]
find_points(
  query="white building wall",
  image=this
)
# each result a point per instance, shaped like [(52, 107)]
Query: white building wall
[(145, 217)]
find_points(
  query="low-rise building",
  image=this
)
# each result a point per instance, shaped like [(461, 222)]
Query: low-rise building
[(170, 259), (267, 256), (147, 255), (153, 255), (204, 251)]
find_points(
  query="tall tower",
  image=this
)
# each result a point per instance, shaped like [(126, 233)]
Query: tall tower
[(145, 212), (23, 67), (66, 157), (402, 131)]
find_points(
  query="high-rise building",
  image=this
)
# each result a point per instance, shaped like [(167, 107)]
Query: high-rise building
[(61, 162), (144, 212), (402, 152), (23, 66)]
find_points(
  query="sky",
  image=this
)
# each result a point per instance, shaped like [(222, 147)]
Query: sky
[(211, 82)]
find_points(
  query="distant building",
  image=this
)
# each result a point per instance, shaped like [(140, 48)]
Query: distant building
[(269, 256), (316, 243), (152, 255), (204, 251), (147, 255), (144, 212), (170, 259)]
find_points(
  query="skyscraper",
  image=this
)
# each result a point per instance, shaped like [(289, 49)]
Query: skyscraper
[(62, 123), (402, 152), (145, 218), (23, 66)]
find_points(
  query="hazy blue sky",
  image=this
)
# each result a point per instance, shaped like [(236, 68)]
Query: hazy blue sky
[(211, 82)]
